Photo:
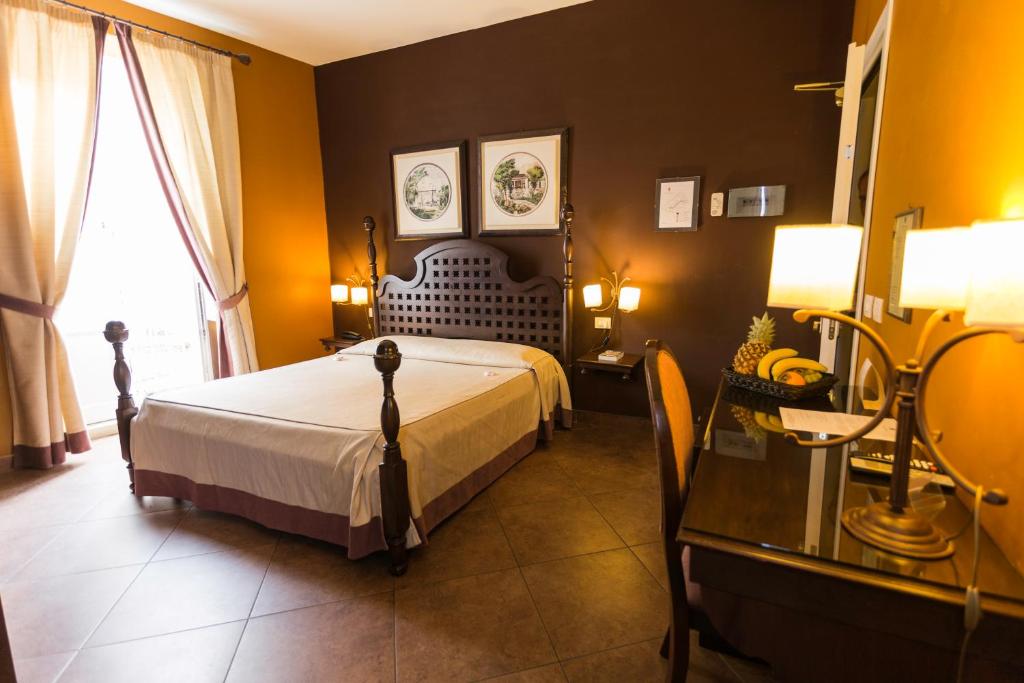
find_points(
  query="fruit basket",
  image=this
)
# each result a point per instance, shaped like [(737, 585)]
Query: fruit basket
[(788, 392)]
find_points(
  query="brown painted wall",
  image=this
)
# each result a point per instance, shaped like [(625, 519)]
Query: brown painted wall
[(649, 88)]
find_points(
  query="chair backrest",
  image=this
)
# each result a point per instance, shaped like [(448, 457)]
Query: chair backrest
[(673, 432)]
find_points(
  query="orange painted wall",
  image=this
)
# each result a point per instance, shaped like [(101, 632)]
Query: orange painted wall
[(952, 142), (282, 197)]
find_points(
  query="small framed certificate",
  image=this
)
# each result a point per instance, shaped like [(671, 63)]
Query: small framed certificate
[(906, 220), (677, 204)]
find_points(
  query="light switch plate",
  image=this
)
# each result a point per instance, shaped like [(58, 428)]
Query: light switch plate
[(876, 313), (869, 307), (602, 323), (717, 202)]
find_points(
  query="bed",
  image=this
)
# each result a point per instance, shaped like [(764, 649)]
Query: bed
[(476, 360)]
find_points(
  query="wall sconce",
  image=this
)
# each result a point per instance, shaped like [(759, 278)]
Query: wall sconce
[(622, 298), (975, 269), (358, 294)]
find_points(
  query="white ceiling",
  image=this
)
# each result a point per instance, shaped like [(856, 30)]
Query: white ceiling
[(321, 31)]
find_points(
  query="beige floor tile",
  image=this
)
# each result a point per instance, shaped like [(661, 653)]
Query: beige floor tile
[(103, 544), (122, 503), (57, 614), (637, 663), (552, 673), (469, 628), (351, 640), (305, 572), (748, 671), (478, 503), (609, 468), (202, 531), (597, 602), (467, 543), (635, 514), (45, 504), (44, 669), (532, 480), (21, 545), (652, 557), (191, 592), (197, 656), (556, 528)]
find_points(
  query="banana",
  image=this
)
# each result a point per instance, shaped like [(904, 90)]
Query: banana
[(764, 367), (767, 422), (796, 363)]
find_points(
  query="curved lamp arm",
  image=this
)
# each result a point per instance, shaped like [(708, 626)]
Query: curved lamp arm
[(991, 496), (802, 316)]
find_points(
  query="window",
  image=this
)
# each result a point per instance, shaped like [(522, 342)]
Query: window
[(131, 265)]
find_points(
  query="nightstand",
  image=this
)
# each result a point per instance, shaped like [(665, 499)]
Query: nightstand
[(333, 344), (588, 362)]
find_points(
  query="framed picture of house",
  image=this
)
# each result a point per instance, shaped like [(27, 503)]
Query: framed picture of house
[(523, 182), (429, 188), (677, 204)]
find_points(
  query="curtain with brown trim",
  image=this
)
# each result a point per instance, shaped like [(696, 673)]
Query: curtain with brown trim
[(186, 101), (49, 95)]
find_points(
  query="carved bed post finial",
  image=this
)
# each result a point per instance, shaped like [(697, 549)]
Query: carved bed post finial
[(371, 253), (394, 482), (117, 334), (568, 215)]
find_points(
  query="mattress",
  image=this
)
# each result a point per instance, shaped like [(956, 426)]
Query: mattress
[(297, 448)]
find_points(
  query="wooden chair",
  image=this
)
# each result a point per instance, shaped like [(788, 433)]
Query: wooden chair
[(674, 443)]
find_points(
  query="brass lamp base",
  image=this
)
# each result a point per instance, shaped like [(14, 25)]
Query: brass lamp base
[(904, 533)]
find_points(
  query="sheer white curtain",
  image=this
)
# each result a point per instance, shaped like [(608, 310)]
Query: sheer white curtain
[(49, 86), (186, 99)]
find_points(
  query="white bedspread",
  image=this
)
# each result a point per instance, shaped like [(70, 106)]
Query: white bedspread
[(308, 434)]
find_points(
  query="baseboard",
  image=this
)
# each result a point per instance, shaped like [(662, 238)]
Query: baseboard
[(6, 462), (101, 429)]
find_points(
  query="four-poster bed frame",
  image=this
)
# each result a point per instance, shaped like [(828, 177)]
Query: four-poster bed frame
[(461, 290)]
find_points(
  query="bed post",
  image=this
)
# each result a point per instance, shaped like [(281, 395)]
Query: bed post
[(394, 482), (568, 214), (116, 333), (371, 253)]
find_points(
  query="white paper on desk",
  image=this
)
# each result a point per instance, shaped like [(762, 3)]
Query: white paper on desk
[(838, 424)]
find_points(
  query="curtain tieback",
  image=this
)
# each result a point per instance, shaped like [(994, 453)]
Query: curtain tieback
[(231, 301), (27, 307)]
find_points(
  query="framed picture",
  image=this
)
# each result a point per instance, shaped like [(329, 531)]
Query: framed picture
[(677, 204), (907, 220), (523, 182), (428, 183)]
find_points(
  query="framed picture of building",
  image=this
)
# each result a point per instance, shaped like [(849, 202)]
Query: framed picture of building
[(429, 187), (523, 182)]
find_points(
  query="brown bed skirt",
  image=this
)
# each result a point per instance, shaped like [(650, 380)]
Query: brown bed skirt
[(334, 528)]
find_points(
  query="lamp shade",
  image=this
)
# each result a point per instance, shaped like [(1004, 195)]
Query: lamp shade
[(339, 294), (592, 296), (814, 266), (995, 296), (629, 299), (360, 296), (935, 269)]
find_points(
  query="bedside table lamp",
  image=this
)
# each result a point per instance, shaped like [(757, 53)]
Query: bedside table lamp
[(623, 298), (358, 294), (943, 269)]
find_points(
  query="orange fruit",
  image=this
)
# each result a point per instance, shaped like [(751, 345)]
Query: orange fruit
[(792, 377)]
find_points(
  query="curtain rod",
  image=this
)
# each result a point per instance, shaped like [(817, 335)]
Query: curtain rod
[(241, 57)]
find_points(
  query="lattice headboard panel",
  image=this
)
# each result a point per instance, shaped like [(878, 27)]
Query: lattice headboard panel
[(462, 290)]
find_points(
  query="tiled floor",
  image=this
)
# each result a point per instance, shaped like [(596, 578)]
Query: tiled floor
[(552, 574)]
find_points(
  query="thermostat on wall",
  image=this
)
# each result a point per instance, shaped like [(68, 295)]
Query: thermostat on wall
[(717, 201)]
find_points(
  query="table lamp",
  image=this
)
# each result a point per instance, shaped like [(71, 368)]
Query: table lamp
[(358, 294), (944, 270), (623, 298)]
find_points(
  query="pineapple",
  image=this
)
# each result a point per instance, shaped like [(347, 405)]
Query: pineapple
[(745, 416), (759, 342)]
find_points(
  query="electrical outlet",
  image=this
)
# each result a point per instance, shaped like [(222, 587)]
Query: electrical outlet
[(602, 323)]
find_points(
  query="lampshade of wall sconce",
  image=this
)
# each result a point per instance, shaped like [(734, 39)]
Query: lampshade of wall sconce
[(629, 299), (995, 296), (935, 269), (592, 296), (339, 294), (815, 266), (360, 296)]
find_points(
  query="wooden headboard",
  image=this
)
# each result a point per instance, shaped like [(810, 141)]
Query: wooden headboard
[(462, 290)]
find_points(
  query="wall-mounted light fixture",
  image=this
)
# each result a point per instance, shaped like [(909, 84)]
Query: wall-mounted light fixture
[(355, 294), (621, 298)]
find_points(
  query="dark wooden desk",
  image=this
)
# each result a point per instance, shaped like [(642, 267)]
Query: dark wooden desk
[(762, 522)]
